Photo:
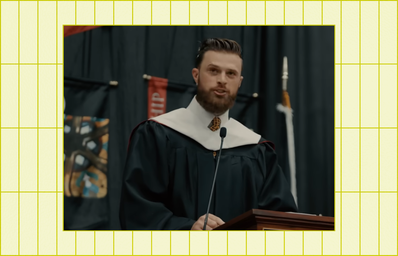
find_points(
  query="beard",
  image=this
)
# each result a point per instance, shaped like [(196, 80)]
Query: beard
[(212, 103)]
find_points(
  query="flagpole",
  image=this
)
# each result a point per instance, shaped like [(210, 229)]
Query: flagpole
[(286, 108)]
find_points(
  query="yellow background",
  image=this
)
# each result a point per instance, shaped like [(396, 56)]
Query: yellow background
[(365, 127)]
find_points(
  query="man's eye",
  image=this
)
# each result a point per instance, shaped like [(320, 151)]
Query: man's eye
[(213, 70), (231, 73)]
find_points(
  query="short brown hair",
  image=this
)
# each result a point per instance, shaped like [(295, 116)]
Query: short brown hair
[(218, 45)]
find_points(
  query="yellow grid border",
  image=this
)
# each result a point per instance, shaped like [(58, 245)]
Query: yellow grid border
[(0, 130), (378, 122), (265, 9)]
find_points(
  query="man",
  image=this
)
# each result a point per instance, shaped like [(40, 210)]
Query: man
[(171, 158)]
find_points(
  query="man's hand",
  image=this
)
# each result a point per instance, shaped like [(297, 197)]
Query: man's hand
[(212, 222)]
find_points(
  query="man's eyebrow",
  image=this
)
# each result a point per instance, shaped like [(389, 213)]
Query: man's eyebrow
[(213, 65), (228, 69)]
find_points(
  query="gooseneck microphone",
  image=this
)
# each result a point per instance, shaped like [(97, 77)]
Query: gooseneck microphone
[(223, 133)]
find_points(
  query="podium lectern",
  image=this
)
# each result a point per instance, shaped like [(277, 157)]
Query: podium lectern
[(256, 219)]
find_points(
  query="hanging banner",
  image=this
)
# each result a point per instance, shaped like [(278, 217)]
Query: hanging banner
[(157, 96), (86, 143), (71, 30)]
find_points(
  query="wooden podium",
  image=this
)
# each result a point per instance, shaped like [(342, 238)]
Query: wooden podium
[(256, 219)]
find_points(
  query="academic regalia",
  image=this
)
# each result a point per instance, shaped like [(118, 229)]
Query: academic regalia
[(170, 168)]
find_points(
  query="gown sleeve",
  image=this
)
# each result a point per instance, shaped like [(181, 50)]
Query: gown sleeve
[(275, 193), (145, 197)]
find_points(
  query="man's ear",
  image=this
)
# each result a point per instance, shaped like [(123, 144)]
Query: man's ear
[(241, 79), (195, 75)]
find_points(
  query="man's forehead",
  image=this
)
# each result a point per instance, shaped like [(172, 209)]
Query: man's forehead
[(222, 59)]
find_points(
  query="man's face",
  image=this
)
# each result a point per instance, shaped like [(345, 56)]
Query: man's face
[(218, 79)]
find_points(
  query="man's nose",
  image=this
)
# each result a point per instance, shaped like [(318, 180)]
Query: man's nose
[(222, 78)]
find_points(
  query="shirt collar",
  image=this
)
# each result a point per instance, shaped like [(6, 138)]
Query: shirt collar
[(204, 116)]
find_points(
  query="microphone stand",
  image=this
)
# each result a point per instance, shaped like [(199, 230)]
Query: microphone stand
[(223, 133)]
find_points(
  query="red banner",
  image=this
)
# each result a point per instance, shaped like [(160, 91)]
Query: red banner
[(71, 30), (157, 94)]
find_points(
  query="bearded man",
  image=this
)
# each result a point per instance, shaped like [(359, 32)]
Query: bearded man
[(171, 158)]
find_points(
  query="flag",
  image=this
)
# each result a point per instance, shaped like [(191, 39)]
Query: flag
[(71, 30), (286, 108), (86, 141)]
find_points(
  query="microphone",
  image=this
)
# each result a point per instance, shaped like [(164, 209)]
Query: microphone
[(223, 133)]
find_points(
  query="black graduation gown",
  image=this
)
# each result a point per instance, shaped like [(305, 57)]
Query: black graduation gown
[(168, 178)]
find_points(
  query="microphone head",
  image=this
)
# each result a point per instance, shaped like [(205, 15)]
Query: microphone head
[(223, 132)]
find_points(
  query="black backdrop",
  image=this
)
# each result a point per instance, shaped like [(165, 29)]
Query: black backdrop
[(124, 54)]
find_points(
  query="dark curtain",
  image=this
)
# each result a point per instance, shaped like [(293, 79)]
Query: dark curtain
[(124, 54)]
